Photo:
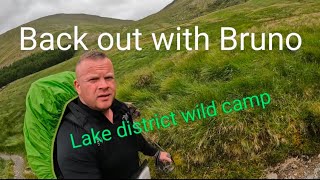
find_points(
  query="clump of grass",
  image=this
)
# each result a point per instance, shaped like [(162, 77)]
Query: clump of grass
[(223, 72), (144, 80), (312, 120), (174, 84), (28, 174), (311, 55), (6, 169)]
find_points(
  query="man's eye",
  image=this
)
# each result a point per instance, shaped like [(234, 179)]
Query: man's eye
[(108, 78), (93, 80)]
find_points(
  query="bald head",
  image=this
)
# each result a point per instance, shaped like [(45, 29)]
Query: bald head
[(90, 55), (85, 65), (95, 81)]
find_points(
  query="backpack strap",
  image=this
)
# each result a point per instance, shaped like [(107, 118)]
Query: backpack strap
[(57, 169), (79, 117)]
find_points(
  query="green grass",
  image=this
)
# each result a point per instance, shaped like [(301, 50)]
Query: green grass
[(6, 169), (240, 144)]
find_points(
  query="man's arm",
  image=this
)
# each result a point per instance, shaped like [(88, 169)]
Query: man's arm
[(148, 149), (76, 162), (145, 147)]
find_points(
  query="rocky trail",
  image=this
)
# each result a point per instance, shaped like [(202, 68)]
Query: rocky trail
[(18, 162), (303, 167)]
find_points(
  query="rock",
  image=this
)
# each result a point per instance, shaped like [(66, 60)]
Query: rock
[(316, 173), (305, 157), (319, 156), (272, 176), (294, 166), (309, 177)]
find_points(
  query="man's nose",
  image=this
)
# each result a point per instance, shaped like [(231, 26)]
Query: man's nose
[(103, 84)]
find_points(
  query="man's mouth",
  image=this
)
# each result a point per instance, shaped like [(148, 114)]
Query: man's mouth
[(104, 96)]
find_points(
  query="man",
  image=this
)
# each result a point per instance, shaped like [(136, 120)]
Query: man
[(118, 158)]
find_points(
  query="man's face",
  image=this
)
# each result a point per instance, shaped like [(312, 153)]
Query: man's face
[(95, 83)]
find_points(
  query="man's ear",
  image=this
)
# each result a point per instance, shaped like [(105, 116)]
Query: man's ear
[(77, 86)]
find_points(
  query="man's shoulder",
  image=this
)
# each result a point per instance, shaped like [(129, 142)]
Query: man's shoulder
[(127, 108), (66, 128), (69, 137), (71, 153), (119, 104), (119, 107), (67, 125)]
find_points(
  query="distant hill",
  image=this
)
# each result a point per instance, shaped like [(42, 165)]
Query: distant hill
[(176, 12), (10, 41)]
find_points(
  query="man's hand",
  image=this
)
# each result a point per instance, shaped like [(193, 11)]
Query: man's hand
[(164, 157), (164, 162)]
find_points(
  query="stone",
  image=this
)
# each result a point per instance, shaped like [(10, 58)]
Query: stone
[(309, 177), (272, 176), (316, 173), (294, 166)]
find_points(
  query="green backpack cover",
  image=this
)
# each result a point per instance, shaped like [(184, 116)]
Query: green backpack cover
[(46, 102)]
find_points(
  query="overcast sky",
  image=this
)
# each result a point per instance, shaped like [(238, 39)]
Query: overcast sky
[(14, 13)]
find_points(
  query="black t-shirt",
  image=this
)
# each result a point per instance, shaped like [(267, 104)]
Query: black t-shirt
[(118, 157)]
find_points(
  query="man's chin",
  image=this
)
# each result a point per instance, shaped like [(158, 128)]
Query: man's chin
[(104, 105)]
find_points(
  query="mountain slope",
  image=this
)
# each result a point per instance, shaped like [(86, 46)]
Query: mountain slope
[(180, 11), (55, 24), (177, 12)]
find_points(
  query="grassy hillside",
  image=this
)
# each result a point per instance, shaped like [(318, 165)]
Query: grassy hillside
[(55, 24), (240, 144), (180, 11)]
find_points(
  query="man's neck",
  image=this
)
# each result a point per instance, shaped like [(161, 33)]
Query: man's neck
[(109, 114)]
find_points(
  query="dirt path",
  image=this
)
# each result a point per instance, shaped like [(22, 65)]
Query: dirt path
[(303, 167), (18, 167)]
